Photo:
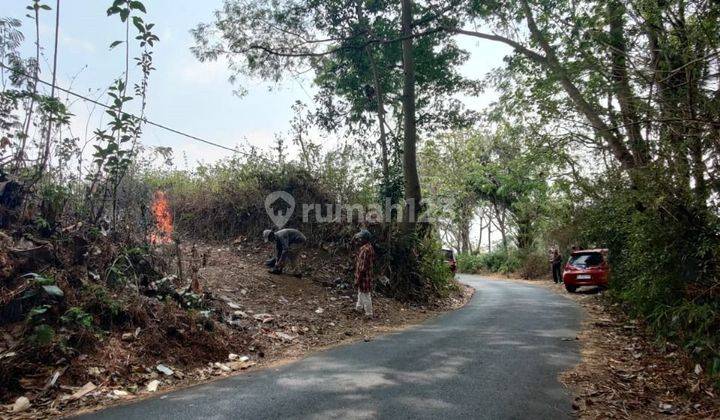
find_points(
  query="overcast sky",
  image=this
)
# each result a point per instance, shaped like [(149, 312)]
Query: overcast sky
[(184, 94)]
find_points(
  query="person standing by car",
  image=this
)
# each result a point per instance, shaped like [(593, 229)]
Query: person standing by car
[(556, 264)]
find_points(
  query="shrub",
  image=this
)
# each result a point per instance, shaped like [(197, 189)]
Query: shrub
[(469, 263), (534, 265), (77, 317), (498, 261), (433, 267), (414, 263), (110, 310), (506, 262), (225, 200)]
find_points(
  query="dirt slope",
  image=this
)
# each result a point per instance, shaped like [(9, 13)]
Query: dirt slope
[(254, 318)]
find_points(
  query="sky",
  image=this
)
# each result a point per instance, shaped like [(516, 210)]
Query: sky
[(184, 94)]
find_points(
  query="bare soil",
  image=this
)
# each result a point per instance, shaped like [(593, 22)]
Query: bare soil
[(255, 319)]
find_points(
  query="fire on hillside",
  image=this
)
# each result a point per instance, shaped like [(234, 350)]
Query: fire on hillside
[(163, 219)]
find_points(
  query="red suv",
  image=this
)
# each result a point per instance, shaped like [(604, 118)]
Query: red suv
[(588, 267)]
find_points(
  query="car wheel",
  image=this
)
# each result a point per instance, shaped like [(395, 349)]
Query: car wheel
[(570, 288)]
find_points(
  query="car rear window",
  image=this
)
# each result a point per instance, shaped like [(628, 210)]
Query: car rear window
[(587, 259), (448, 254)]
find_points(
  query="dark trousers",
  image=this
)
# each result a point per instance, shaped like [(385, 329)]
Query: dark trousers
[(557, 273)]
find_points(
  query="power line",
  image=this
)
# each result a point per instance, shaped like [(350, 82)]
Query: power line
[(164, 127)]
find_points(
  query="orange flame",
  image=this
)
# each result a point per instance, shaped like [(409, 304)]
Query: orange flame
[(163, 219)]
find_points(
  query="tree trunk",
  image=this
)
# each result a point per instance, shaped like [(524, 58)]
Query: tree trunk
[(480, 233), (381, 117), (621, 82), (501, 225), (489, 233), (380, 103), (465, 215), (48, 133), (464, 237), (410, 173)]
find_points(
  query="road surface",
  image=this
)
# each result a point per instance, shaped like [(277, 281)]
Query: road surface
[(496, 358)]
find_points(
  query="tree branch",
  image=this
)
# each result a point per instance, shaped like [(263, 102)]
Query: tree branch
[(612, 137), (537, 57)]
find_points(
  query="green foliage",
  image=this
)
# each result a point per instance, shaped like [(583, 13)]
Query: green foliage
[(432, 266), (192, 301), (77, 317), (110, 311), (655, 204), (469, 263), (499, 174), (130, 266), (498, 261), (533, 264), (37, 314), (664, 262), (40, 280), (53, 198), (414, 263), (43, 335), (37, 319)]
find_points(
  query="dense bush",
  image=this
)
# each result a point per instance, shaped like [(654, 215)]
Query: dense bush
[(533, 265), (225, 200), (468, 263), (414, 264), (433, 267), (664, 263), (498, 261)]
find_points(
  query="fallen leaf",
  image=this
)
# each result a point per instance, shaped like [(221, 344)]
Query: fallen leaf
[(284, 336), (153, 385), (117, 393), (21, 404), (264, 318), (222, 367), (239, 365), (86, 389), (666, 408), (164, 370)]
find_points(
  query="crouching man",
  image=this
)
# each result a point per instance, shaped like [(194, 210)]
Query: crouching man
[(364, 262), (283, 239)]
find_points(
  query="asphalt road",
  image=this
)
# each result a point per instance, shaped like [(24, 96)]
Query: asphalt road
[(496, 358)]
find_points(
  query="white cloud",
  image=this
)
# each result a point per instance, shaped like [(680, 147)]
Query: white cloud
[(78, 44), (167, 35), (205, 73)]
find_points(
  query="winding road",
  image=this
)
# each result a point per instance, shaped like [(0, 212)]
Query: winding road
[(498, 357)]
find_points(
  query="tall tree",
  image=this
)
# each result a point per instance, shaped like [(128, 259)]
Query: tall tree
[(412, 182), (371, 62), (633, 74)]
